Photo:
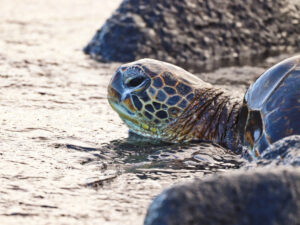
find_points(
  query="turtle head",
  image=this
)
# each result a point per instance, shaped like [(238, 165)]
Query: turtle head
[(151, 95)]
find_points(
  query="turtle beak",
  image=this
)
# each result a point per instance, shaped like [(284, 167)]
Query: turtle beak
[(116, 89), (118, 95)]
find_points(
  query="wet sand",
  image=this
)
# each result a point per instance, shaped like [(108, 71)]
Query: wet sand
[(64, 154)]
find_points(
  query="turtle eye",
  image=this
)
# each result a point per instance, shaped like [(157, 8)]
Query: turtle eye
[(135, 82)]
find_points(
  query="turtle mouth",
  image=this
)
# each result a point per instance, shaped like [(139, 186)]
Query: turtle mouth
[(120, 108), (129, 114), (132, 120), (123, 111)]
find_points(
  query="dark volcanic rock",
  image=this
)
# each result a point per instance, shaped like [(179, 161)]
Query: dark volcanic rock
[(243, 198), (283, 152), (198, 34)]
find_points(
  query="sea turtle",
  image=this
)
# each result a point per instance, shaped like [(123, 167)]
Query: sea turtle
[(162, 101)]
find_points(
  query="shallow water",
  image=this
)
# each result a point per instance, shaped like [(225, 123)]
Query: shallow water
[(65, 155)]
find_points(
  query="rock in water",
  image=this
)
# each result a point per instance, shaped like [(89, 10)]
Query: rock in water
[(198, 34), (284, 152), (245, 198)]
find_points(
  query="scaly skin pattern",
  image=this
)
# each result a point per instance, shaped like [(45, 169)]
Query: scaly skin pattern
[(162, 101), (211, 116)]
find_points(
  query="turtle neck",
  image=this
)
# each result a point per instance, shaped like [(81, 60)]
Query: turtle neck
[(211, 116)]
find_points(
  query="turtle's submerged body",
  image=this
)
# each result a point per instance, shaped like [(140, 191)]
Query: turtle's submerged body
[(162, 101)]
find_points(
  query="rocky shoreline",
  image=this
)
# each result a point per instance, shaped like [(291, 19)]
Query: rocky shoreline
[(246, 198), (266, 191), (198, 35)]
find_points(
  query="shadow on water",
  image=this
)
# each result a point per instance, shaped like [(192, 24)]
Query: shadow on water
[(136, 151), (143, 156)]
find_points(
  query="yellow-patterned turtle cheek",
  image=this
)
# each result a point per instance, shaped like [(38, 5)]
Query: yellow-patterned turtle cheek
[(164, 100)]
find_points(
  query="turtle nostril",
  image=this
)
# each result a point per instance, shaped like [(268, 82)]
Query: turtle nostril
[(135, 82)]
